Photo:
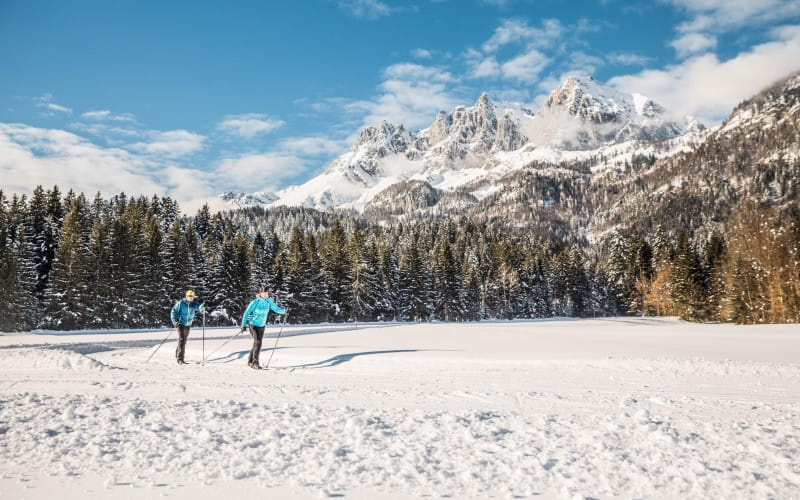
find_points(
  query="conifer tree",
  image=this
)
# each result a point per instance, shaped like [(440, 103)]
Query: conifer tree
[(101, 293), (202, 221), (470, 292), (445, 274), (687, 281), (538, 293), (714, 257), (316, 298), (389, 277), (43, 231), (66, 300), (578, 283), (415, 284), (615, 270), (17, 273), (363, 277), (157, 302), (243, 265), (177, 264), (337, 269), (296, 279)]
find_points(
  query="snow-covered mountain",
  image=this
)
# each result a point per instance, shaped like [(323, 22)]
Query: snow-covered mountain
[(244, 200), (463, 154), (582, 114)]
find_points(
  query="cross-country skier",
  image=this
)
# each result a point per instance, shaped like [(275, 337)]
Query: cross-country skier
[(182, 316), (255, 319)]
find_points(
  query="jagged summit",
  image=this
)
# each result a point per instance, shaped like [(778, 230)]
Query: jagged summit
[(582, 114), (583, 97), (484, 101), (481, 142)]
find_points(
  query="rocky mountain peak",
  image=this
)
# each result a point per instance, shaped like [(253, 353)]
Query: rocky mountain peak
[(485, 102), (585, 98), (583, 114), (386, 138)]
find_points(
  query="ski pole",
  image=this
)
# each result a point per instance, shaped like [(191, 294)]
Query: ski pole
[(159, 346), (204, 335), (276, 341), (223, 344)]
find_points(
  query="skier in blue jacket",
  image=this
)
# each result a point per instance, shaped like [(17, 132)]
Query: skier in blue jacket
[(255, 319), (182, 317)]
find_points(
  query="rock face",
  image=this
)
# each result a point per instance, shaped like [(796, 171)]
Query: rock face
[(244, 199), (480, 130), (581, 114), (468, 150)]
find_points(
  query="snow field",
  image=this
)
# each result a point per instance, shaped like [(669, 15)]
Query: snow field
[(521, 409)]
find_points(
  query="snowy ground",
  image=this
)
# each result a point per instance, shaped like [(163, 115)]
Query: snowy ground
[(547, 409)]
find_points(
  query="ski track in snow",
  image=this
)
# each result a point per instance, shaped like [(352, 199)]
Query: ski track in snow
[(553, 409)]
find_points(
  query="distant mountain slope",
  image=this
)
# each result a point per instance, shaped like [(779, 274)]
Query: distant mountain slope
[(467, 151), (753, 156)]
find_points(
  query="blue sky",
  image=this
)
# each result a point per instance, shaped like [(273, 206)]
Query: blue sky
[(193, 98)]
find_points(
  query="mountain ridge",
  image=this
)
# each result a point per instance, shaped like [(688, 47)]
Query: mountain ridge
[(580, 119)]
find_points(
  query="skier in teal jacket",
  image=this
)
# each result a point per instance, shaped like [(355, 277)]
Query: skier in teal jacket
[(255, 319), (182, 317)]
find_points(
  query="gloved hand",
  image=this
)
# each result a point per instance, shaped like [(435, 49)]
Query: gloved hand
[(242, 329)]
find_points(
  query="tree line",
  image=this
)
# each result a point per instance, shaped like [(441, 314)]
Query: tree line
[(67, 262)]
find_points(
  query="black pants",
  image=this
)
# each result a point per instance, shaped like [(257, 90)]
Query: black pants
[(258, 334), (183, 334)]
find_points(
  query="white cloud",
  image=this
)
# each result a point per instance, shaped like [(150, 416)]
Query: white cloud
[(421, 53), (111, 134), (628, 59), (365, 9), (114, 128), (411, 71), (312, 145), (519, 31), (582, 63), (486, 68), (591, 25), (726, 14), (705, 87), (31, 156), (410, 94), (193, 188), (403, 102), (711, 18), (249, 125), (170, 143), (510, 95), (693, 43), (496, 3), (106, 115), (96, 115), (411, 103), (525, 67), (46, 101), (259, 171)]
